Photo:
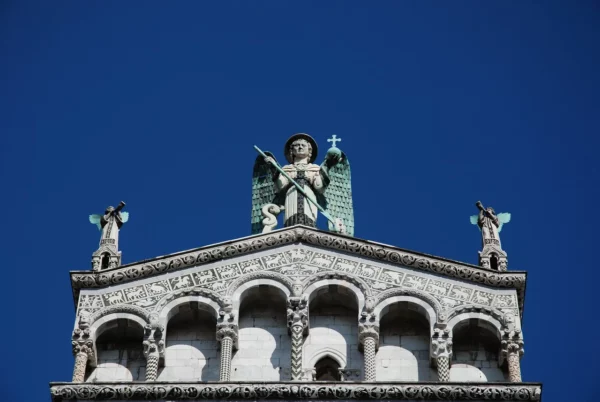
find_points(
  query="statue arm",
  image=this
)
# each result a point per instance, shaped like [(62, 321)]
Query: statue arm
[(281, 182), (481, 217)]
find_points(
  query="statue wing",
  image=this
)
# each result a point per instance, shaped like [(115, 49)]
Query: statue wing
[(124, 216), (263, 190), (338, 195), (474, 219), (503, 218), (95, 219)]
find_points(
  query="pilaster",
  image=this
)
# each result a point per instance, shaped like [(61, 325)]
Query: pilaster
[(227, 336), (154, 348), (83, 350), (441, 352), (512, 350), (368, 337), (297, 321)]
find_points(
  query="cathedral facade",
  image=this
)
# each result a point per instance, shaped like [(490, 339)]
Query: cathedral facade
[(298, 313)]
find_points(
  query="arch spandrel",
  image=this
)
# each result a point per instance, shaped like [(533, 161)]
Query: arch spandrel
[(290, 265)]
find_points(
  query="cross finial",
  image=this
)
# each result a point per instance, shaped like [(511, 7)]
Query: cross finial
[(334, 140)]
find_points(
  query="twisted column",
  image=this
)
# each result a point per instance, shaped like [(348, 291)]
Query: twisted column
[(154, 347), (512, 350), (83, 350), (227, 335), (368, 337), (441, 347), (297, 318)]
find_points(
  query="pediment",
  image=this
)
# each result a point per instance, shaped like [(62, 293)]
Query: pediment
[(379, 269)]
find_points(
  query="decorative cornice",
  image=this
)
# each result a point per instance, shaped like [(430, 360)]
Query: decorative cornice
[(309, 236), (161, 391)]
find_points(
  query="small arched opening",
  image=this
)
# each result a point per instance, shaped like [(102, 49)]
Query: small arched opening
[(333, 316), (120, 350), (476, 348), (264, 344), (105, 260), (191, 350), (494, 261), (404, 340), (327, 369)]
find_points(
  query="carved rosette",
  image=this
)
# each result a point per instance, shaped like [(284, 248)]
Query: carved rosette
[(83, 350), (227, 335), (368, 337), (441, 351), (297, 319), (512, 350), (154, 348)]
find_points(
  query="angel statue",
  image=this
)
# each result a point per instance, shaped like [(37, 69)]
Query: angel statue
[(490, 224), (109, 224), (302, 188)]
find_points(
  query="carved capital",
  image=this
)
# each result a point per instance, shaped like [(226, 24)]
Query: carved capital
[(297, 313), (153, 342), (512, 343), (368, 327), (441, 343), (227, 327), (82, 343)]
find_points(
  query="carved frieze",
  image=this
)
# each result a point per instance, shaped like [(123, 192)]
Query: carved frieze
[(305, 267), (333, 242), (158, 391)]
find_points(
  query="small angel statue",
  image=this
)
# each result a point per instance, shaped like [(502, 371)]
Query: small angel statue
[(109, 224), (490, 224), (328, 184)]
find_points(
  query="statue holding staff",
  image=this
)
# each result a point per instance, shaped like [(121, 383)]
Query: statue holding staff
[(302, 188)]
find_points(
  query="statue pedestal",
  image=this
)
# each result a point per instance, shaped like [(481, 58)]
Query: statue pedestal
[(493, 257)]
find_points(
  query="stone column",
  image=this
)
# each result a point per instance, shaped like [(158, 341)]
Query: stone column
[(297, 319), (512, 350), (83, 349), (227, 335), (441, 351), (368, 337), (154, 348)]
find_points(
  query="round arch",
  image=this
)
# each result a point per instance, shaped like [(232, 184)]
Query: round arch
[(241, 290), (129, 309), (312, 289), (422, 306), (172, 308), (484, 320), (260, 278), (325, 352), (107, 322)]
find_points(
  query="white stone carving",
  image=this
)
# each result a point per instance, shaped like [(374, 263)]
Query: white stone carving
[(204, 277), (181, 282), (159, 287), (414, 282)]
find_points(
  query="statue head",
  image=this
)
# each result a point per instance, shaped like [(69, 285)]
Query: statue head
[(491, 210), (109, 210), (300, 146)]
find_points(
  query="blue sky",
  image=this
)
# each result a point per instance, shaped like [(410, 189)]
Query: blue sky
[(439, 104)]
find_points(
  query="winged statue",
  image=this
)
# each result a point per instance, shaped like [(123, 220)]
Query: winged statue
[(489, 223), (110, 223), (301, 188)]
